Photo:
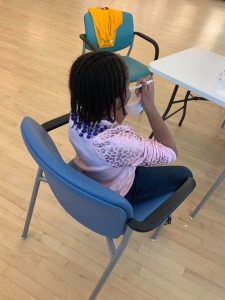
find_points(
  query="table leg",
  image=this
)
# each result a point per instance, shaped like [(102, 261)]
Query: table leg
[(170, 102), (168, 106), (184, 108), (187, 98)]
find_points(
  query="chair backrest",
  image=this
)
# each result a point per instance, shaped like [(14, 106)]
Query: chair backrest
[(124, 34), (87, 201)]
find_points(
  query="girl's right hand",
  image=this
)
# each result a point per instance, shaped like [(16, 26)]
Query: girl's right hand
[(146, 93)]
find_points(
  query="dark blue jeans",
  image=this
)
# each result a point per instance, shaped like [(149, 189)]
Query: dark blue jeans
[(155, 181)]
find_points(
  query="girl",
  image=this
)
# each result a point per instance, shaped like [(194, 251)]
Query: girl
[(109, 152)]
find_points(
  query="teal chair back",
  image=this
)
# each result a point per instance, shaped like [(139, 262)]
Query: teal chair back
[(124, 34), (124, 39)]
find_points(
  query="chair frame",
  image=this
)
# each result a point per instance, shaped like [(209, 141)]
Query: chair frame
[(155, 220), (85, 40)]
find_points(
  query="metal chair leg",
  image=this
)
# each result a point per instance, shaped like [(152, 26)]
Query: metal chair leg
[(156, 232), (119, 251), (223, 124), (32, 203), (159, 228), (111, 246), (83, 48), (206, 197)]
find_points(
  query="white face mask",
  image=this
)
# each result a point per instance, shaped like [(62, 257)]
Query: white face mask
[(134, 104)]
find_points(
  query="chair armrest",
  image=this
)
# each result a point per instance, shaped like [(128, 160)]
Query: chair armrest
[(150, 40), (55, 123), (86, 41), (164, 210)]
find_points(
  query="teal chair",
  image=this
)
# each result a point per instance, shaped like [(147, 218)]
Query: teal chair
[(124, 39)]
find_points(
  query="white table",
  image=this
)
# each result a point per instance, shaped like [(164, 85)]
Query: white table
[(198, 71)]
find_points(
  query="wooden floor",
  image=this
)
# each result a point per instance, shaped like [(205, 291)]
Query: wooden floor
[(61, 259)]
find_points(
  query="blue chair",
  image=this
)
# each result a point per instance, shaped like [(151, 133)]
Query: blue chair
[(124, 38), (90, 203)]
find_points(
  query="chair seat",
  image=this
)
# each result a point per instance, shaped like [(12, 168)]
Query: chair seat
[(136, 69), (143, 209)]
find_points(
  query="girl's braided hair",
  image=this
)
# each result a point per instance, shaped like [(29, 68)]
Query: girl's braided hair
[(96, 80)]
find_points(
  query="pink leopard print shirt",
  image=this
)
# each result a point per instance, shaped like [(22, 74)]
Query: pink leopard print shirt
[(112, 156)]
